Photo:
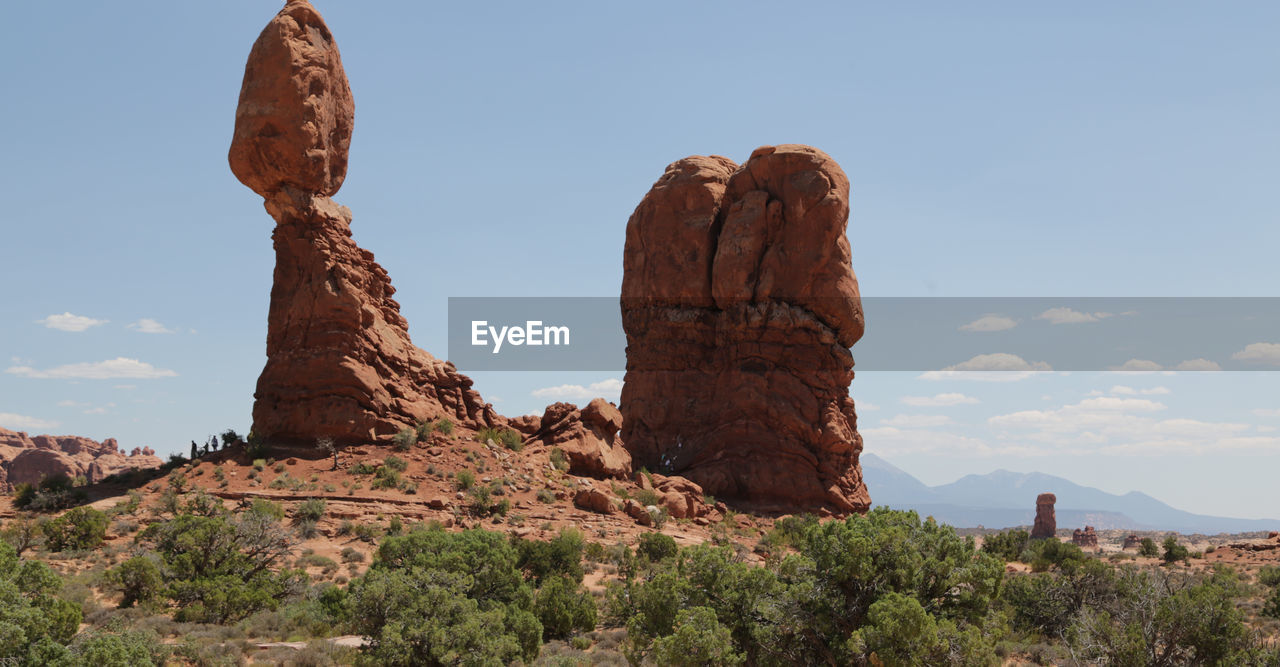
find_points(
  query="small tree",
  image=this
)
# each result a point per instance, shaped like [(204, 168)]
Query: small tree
[(564, 608), (22, 533), (699, 639), (1174, 552), (326, 445), (1148, 548), (138, 579), (79, 528)]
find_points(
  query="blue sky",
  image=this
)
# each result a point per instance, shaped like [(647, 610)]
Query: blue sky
[(994, 149)]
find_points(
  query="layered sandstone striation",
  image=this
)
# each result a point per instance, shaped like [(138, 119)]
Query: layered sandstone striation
[(1046, 523), (340, 363), (30, 459), (740, 305)]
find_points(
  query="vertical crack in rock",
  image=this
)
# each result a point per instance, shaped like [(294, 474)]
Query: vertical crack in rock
[(340, 363), (740, 305)]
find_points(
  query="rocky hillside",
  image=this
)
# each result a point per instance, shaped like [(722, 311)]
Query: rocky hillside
[(26, 458)]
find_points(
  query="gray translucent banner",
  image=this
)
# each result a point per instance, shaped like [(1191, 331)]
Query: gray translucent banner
[(946, 335)]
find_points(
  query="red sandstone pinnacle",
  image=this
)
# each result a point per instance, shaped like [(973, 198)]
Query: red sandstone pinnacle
[(1046, 524), (340, 363), (740, 303)]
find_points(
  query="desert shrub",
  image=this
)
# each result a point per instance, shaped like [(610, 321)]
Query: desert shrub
[(444, 426), (364, 468), (366, 532), (1156, 617), (405, 438), (648, 497), (311, 509), (1008, 545), (387, 478), (1174, 552), (558, 459), (438, 598), (33, 620), (655, 546), (222, 568), (115, 647), (1046, 602), (564, 607), (1148, 548), (395, 463), (464, 479), (697, 639), (900, 632), (1044, 554), (229, 437), (561, 556), (546, 496), (79, 528), (1269, 575), (138, 579), (350, 555), (53, 493), (395, 525)]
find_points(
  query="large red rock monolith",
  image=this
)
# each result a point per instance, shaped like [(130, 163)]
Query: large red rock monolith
[(340, 363), (740, 304)]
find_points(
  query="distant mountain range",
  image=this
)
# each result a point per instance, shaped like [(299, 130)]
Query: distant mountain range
[(1003, 499)]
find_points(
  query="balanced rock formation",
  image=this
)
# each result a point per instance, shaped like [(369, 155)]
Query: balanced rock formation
[(740, 304), (1132, 541), (340, 363), (1046, 524), (1084, 538), (30, 459), (588, 437)]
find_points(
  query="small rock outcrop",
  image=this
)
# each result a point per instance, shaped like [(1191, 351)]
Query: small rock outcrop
[(30, 459), (1046, 524), (588, 437), (1132, 542), (340, 363), (740, 304), (1084, 538)]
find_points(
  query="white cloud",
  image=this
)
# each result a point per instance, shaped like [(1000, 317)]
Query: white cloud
[(939, 400), (1197, 365), (147, 325), (1259, 353), (610, 388), (997, 367), (990, 323), (866, 406), (69, 322), (1266, 429), (120, 367), (916, 421), (1137, 366), (96, 411), (1121, 390), (1069, 316), (124, 386), (1267, 412), (24, 423)]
